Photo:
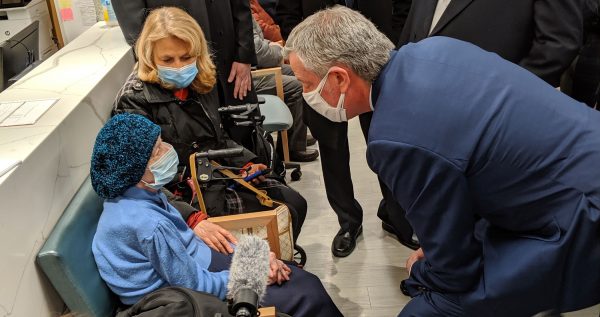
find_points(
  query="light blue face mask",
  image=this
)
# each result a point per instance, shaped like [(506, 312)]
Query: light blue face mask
[(164, 169), (178, 77)]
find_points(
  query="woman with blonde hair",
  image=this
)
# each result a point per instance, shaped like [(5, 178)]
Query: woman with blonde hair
[(173, 85)]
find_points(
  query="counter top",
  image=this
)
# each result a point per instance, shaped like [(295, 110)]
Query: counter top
[(55, 153)]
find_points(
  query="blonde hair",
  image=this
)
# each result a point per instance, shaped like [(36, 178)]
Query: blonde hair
[(173, 22)]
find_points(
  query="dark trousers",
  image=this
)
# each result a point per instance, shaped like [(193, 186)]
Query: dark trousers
[(335, 163), (302, 296), (432, 304)]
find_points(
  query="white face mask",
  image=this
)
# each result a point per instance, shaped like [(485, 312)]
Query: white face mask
[(164, 169), (316, 101)]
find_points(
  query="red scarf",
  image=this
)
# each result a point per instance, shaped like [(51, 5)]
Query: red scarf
[(182, 94)]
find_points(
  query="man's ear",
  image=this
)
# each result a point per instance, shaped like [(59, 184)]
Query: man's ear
[(341, 78)]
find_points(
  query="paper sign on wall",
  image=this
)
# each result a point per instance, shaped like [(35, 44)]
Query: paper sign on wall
[(65, 4), (66, 14)]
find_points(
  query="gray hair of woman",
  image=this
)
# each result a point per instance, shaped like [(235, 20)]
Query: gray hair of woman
[(339, 35)]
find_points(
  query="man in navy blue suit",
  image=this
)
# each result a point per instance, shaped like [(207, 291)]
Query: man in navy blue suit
[(497, 170), (389, 17)]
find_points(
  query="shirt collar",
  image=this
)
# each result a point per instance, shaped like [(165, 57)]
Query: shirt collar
[(376, 85), (371, 98)]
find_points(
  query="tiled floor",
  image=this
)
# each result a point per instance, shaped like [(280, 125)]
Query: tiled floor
[(366, 283)]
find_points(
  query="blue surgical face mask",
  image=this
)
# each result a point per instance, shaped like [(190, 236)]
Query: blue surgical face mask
[(178, 77), (164, 169)]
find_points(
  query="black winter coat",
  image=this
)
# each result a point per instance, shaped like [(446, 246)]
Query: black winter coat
[(190, 126), (227, 26)]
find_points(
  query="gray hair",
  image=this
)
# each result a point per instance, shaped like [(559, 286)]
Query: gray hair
[(339, 35)]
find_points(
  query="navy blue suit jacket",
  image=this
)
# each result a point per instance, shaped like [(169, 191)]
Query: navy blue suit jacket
[(467, 140)]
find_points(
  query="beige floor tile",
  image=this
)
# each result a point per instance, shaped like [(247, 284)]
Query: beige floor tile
[(590, 312)]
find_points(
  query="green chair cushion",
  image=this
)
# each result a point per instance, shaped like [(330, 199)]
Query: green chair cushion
[(67, 260)]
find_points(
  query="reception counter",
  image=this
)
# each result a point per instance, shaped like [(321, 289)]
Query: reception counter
[(54, 155)]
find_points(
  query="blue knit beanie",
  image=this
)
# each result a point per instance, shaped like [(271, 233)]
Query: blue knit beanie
[(121, 153)]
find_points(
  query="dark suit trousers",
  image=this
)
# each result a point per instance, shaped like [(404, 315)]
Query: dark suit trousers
[(335, 163)]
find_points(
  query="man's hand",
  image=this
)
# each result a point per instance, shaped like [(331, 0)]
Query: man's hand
[(280, 272), (253, 169), (243, 79), (215, 237), (414, 257)]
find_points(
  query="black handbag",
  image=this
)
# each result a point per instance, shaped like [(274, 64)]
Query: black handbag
[(177, 302)]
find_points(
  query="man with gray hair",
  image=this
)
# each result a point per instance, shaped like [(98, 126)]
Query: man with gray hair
[(496, 169)]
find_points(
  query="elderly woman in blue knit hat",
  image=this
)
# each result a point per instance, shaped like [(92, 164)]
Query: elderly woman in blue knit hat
[(142, 242)]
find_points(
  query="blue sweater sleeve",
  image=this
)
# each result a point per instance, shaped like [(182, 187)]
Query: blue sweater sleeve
[(436, 196), (170, 259)]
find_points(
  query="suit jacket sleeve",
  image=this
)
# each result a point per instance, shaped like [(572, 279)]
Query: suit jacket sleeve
[(266, 55), (290, 15), (558, 37), (242, 20), (435, 194), (131, 15)]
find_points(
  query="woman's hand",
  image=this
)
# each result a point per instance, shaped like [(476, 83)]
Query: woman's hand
[(280, 272), (215, 237), (243, 79), (253, 169), (414, 257)]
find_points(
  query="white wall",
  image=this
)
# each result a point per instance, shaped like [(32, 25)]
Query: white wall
[(85, 75)]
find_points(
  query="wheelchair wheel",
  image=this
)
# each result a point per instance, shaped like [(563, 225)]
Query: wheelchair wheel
[(299, 255), (296, 174)]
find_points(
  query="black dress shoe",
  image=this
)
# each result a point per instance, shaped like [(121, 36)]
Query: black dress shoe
[(404, 288), (411, 244), (304, 156), (345, 242), (310, 140)]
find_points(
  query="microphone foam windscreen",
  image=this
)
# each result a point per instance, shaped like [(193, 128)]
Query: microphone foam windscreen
[(249, 267)]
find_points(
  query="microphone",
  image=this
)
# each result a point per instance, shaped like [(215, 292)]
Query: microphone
[(217, 154), (248, 276)]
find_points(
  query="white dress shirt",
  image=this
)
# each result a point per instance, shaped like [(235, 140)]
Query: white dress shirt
[(439, 10)]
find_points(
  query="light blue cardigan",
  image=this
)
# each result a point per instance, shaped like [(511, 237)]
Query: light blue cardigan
[(142, 244)]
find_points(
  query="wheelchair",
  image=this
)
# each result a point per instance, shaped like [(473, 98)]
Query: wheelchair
[(203, 170)]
